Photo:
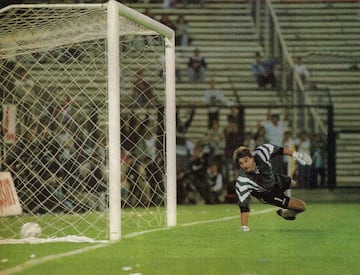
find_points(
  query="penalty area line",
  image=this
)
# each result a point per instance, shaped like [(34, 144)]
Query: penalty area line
[(34, 262), (264, 211)]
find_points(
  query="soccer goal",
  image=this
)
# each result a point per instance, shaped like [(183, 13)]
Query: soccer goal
[(88, 120)]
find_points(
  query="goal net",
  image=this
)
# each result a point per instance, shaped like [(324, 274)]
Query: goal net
[(87, 105)]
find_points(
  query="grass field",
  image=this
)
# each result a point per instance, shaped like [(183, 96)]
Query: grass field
[(323, 240)]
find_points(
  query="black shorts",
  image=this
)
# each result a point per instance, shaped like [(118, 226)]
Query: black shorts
[(276, 195)]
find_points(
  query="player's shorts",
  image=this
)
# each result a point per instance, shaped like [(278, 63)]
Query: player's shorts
[(276, 196)]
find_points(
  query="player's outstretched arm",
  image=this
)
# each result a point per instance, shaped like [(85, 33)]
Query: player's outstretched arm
[(300, 157)]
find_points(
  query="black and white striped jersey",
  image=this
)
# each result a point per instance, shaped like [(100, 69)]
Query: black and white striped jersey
[(262, 179)]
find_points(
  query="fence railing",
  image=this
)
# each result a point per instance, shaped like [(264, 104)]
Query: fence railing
[(274, 45)]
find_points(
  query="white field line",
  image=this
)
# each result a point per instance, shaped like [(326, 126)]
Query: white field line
[(34, 262)]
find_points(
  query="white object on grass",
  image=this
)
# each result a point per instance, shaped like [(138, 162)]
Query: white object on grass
[(30, 230)]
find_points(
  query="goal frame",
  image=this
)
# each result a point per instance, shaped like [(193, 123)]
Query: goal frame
[(114, 10)]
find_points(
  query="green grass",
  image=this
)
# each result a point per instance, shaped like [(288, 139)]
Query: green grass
[(323, 240)]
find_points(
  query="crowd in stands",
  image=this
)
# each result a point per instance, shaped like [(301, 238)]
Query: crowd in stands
[(205, 169), (214, 152)]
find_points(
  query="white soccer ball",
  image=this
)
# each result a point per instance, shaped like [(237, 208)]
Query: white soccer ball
[(30, 230)]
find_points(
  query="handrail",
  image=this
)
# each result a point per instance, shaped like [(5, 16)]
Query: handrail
[(287, 55)]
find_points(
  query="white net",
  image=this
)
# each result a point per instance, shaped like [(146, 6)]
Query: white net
[(54, 82)]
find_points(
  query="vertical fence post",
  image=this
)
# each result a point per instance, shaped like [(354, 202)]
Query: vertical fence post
[(331, 141)]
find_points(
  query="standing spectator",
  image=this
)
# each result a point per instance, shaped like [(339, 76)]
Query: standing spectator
[(183, 145), (260, 136), (197, 167), (154, 168), (162, 70), (232, 141), (169, 4), (167, 22), (216, 141), (197, 67), (318, 154), (264, 72), (249, 141), (214, 180), (233, 115), (182, 32), (64, 113), (199, 2), (24, 92), (289, 163), (143, 91), (215, 99), (303, 145), (275, 129), (301, 70)]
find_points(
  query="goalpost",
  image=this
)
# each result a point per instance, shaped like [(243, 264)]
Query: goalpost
[(88, 120)]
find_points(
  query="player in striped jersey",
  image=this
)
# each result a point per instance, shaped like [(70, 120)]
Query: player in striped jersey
[(257, 179)]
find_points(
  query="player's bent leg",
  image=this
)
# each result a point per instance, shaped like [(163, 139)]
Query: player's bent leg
[(294, 207)]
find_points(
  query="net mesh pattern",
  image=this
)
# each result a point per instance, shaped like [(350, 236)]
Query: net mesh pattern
[(54, 76)]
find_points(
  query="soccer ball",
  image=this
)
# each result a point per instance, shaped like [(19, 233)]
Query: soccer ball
[(30, 229)]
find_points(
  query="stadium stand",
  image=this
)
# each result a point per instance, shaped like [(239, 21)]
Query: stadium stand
[(225, 34), (327, 36)]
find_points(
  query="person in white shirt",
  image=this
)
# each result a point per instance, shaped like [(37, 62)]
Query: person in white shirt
[(215, 99), (301, 70), (275, 129)]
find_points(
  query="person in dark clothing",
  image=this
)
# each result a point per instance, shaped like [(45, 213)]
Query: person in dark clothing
[(257, 179)]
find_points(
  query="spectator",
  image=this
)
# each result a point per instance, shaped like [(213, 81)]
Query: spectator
[(318, 154), (233, 115), (94, 192), (197, 67), (167, 22), (216, 141), (275, 129), (25, 93), (132, 187), (143, 91), (303, 145), (215, 99), (182, 32), (169, 4), (199, 2), (214, 180), (249, 141), (232, 141), (259, 134), (154, 168), (198, 165), (64, 113), (184, 147), (162, 70), (301, 70), (289, 163), (264, 72)]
